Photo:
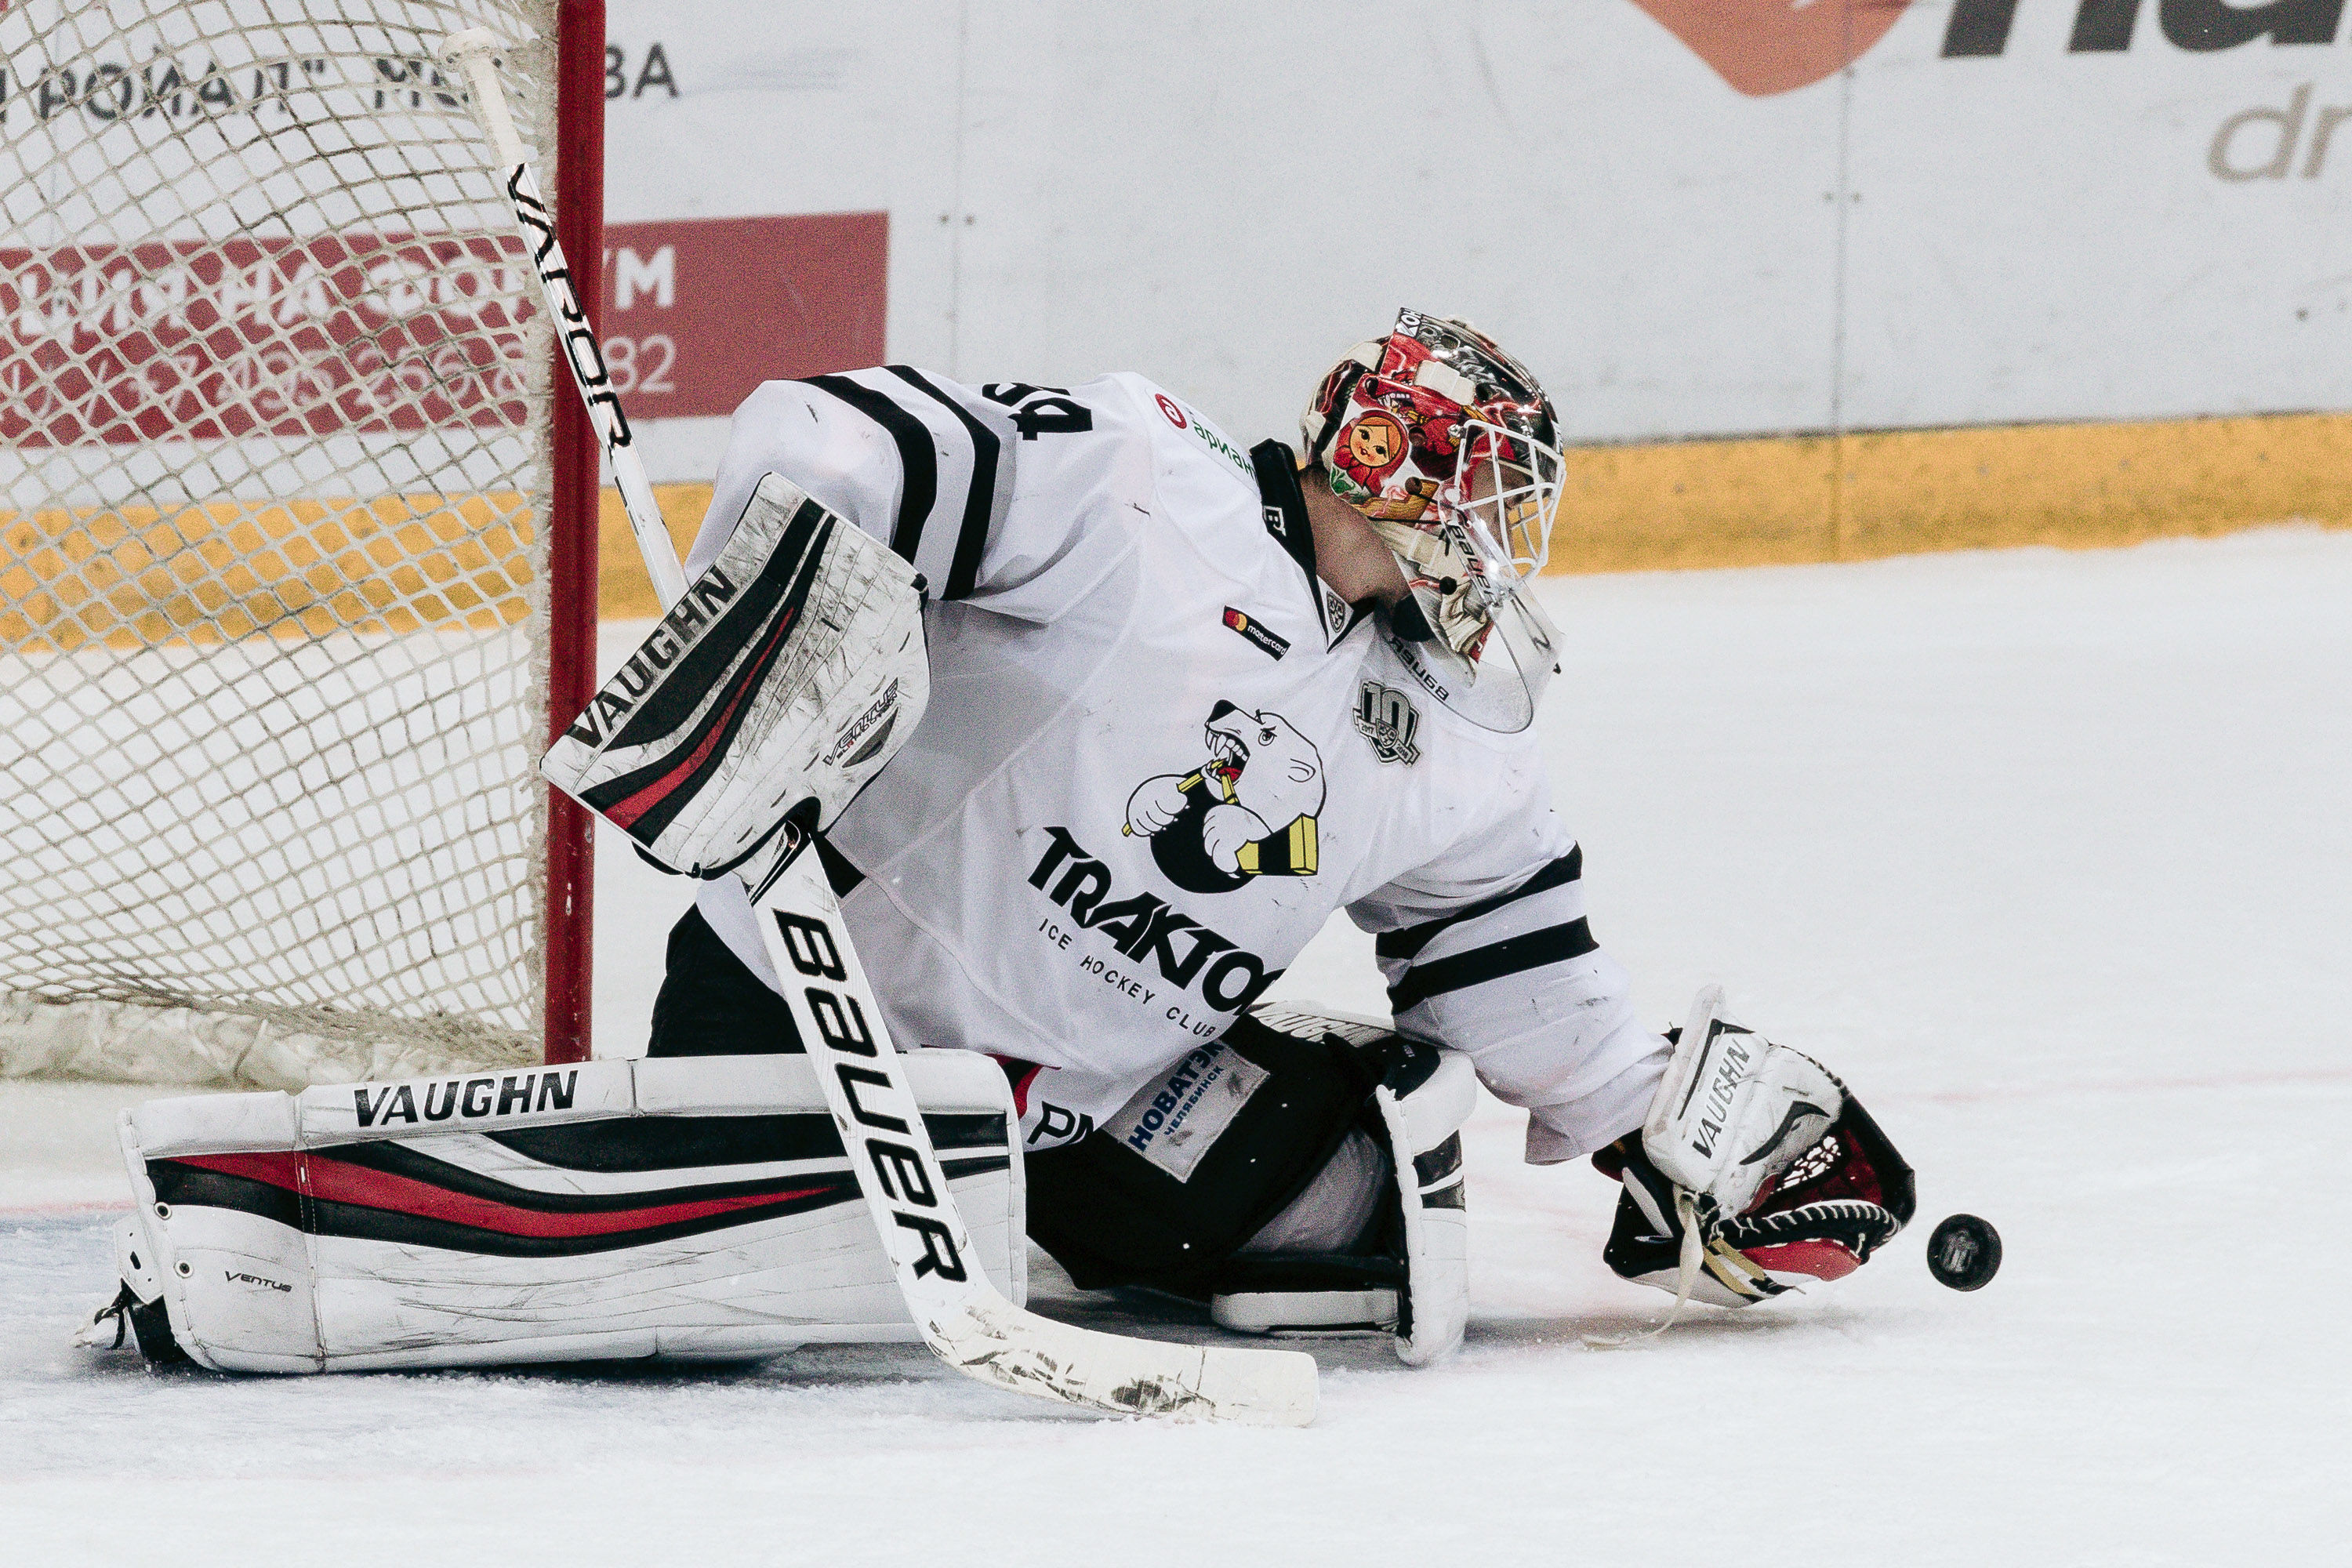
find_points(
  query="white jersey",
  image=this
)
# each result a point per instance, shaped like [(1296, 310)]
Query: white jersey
[(1160, 752)]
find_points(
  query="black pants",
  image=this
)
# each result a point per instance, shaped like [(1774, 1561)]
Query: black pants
[(711, 1005), (1107, 1214)]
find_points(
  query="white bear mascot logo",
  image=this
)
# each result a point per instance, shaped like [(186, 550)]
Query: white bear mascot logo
[(1249, 810)]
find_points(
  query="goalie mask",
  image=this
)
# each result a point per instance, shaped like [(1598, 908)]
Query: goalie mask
[(1449, 448)]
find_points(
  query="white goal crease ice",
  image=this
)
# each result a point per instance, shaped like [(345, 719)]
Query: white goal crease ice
[(276, 437)]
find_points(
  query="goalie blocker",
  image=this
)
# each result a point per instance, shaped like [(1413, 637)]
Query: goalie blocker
[(606, 1210), (771, 692)]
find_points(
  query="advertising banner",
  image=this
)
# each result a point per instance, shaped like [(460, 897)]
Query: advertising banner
[(1693, 218), (203, 341), (698, 312), (1769, 222)]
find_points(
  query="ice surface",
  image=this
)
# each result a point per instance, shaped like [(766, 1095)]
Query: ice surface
[(2048, 854)]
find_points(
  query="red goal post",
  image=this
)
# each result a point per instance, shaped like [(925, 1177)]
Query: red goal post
[(571, 547), (298, 543)]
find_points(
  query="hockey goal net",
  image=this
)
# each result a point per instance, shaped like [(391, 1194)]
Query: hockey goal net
[(276, 624)]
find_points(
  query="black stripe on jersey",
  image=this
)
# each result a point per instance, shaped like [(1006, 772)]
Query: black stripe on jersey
[(1553, 944), (1410, 939), (978, 500), (629, 1144), (917, 458)]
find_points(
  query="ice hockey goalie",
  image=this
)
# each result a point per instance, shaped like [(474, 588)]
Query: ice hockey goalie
[(1185, 702)]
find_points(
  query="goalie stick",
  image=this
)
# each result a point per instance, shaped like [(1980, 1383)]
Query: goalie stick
[(963, 1318)]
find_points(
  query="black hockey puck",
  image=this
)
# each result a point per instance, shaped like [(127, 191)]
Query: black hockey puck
[(1964, 1253)]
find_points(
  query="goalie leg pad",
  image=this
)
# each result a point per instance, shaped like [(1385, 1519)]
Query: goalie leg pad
[(136, 1316), (1408, 1272), (698, 1208), (1322, 1193), (771, 693)]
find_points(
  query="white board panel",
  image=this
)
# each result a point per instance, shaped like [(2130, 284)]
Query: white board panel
[(1223, 199)]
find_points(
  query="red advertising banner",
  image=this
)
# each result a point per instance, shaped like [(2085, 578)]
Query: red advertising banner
[(698, 312), (203, 340)]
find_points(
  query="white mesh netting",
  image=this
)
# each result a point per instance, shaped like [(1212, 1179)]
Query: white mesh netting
[(273, 413)]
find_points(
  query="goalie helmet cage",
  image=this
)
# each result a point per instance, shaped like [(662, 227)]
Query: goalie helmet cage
[(300, 532)]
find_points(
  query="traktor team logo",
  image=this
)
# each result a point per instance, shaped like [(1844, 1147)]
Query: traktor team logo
[(1248, 811)]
